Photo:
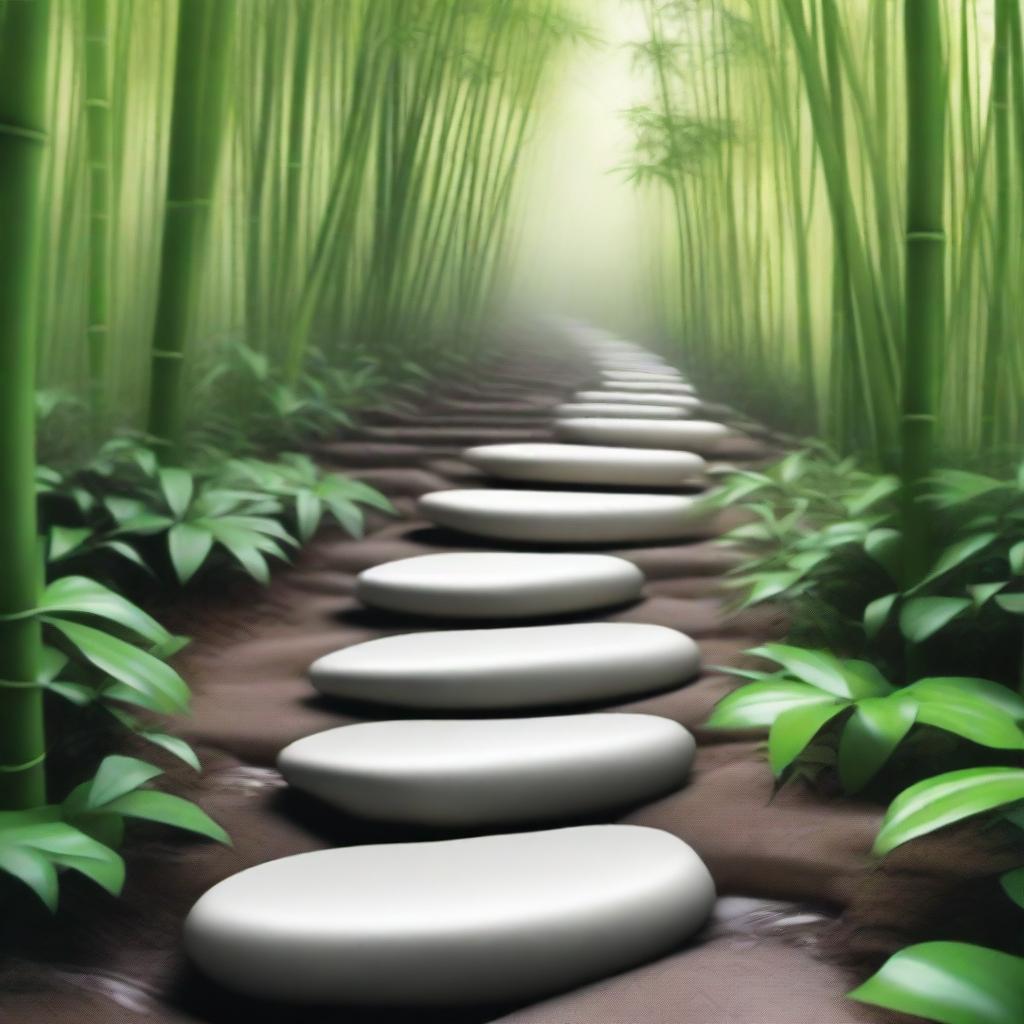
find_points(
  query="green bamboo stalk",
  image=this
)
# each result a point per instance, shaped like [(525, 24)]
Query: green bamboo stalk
[(24, 137), (100, 158), (200, 81), (925, 268)]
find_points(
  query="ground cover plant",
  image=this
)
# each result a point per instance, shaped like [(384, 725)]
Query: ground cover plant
[(855, 166), (158, 393)]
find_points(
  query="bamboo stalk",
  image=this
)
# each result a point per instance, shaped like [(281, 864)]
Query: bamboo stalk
[(24, 137)]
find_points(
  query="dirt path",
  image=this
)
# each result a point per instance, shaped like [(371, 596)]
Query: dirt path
[(786, 866)]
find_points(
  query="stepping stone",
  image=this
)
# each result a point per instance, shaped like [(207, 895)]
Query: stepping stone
[(641, 398), (466, 921), (626, 409), (663, 387), (565, 517), (481, 773), (645, 376), (694, 435), (514, 667), (586, 464), (499, 584)]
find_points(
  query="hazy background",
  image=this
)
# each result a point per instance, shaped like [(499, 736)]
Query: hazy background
[(579, 246)]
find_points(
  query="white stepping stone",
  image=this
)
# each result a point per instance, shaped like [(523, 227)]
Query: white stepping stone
[(662, 387), (479, 773), (499, 584), (485, 920), (512, 667), (586, 464), (629, 410), (641, 398), (614, 379), (565, 517), (694, 435)]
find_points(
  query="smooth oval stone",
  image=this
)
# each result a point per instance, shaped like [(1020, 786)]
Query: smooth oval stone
[(610, 409), (586, 464), (664, 387), (514, 667), (564, 517), (695, 435), (483, 920), (499, 584), (479, 773), (641, 398), (668, 375)]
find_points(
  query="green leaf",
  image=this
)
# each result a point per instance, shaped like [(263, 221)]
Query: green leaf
[(877, 614), (883, 545), (1012, 603), (974, 720), (148, 678), (308, 509), (173, 745), (347, 514), (757, 705), (188, 546), (1017, 558), (764, 586), (167, 809), (83, 596), (923, 617), (960, 688), (825, 671), (1013, 885), (982, 593), (946, 799), (880, 489), (956, 555), (65, 540), (875, 729), (949, 982), (177, 487), (33, 868), (116, 776), (794, 729)]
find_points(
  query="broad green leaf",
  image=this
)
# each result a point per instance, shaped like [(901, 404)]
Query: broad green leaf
[(949, 982), (176, 486), (877, 491), (946, 799), (173, 745), (955, 555), (875, 729), (923, 617), (765, 586), (876, 614), (188, 545), (308, 509), (1013, 885), (821, 669), (1012, 603), (955, 486), (795, 728), (347, 514), (1017, 558), (65, 540), (34, 868), (982, 593), (135, 669), (83, 596), (883, 545), (757, 705), (961, 688), (974, 720), (167, 809), (116, 776)]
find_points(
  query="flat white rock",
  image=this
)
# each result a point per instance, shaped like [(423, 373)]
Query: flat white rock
[(586, 464), (499, 584), (641, 398), (511, 667), (564, 517), (492, 919), (645, 376), (664, 387), (628, 410), (480, 773), (701, 436)]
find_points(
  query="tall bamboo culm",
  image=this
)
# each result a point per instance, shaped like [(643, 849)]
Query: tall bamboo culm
[(24, 136), (202, 61)]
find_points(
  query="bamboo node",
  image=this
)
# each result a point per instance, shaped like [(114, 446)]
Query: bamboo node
[(926, 236), (920, 417), (25, 765), (29, 134), (12, 684), (163, 353)]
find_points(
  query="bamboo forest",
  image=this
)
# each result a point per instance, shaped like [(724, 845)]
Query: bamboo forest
[(512, 511)]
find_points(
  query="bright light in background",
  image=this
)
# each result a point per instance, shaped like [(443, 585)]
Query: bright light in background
[(580, 248)]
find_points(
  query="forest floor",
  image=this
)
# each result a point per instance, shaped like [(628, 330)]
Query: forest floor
[(802, 905)]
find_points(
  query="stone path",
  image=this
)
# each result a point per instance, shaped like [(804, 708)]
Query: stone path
[(785, 865)]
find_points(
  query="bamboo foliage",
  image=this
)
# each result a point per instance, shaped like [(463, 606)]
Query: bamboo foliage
[(352, 192), (776, 132)]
